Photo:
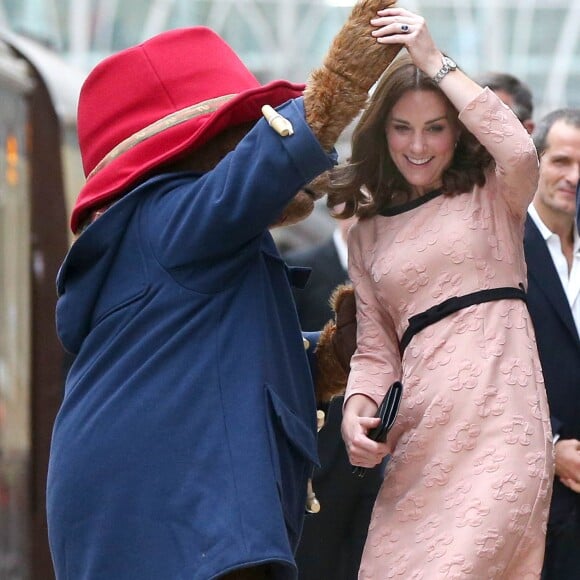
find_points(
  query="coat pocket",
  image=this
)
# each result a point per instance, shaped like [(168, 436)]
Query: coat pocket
[(293, 449)]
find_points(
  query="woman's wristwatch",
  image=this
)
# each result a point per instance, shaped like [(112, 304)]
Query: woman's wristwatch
[(448, 66)]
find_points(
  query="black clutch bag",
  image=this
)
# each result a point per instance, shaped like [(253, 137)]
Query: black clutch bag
[(387, 412)]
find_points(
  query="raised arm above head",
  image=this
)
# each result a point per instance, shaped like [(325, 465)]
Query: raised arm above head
[(401, 27)]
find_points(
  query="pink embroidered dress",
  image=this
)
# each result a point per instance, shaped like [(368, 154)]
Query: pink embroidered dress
[(467, 491)]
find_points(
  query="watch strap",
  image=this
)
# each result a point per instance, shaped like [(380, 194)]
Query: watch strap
[(444, 70)]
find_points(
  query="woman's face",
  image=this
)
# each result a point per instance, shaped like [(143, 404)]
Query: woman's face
[(421, 134)]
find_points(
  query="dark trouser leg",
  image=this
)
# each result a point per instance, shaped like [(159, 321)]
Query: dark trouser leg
[(562, 558)]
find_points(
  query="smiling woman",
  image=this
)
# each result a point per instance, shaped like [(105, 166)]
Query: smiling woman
[(440, 177), (411, 130), (422, 131)]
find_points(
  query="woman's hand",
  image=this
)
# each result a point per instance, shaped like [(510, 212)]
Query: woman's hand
[(399, 26), (358, 418)]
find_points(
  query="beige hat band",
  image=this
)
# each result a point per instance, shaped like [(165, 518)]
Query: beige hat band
[(159, 126)]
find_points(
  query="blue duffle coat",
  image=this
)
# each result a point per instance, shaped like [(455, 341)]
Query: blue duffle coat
[(187, 431)]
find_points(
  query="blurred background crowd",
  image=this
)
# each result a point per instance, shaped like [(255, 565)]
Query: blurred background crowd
[(539, 42)]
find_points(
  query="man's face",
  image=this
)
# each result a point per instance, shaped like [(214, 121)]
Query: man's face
[(559, 173)]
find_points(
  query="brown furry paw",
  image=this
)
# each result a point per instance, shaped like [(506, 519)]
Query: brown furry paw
[(336, 346), (338, 90)]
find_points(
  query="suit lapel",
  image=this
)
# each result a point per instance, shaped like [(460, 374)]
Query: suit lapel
[(543, 275), (578, 205)]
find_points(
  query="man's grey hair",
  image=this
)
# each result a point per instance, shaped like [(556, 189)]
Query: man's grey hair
[(540, 134)]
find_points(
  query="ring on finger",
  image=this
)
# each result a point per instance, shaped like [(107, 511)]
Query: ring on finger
[(405, 28)]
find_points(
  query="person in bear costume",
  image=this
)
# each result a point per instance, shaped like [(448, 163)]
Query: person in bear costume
[(187, 432)]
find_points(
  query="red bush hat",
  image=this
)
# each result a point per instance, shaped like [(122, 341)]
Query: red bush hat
[(147, 104)]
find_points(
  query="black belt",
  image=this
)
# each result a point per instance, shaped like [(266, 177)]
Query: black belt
[(451, 305)]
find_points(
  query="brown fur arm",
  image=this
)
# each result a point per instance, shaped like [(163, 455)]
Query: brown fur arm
[(338, 90), (336, 345)]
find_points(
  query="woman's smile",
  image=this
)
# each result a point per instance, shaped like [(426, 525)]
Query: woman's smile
[(414, 161)]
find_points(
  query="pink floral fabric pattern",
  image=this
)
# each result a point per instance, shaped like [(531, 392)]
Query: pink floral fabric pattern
[(467, 490)]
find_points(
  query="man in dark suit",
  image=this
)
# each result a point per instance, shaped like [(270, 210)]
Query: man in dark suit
[(332, 540), (552, 250)]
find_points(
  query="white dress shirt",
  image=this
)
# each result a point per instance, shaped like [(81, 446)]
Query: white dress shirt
[(341, 248), (570, 278)]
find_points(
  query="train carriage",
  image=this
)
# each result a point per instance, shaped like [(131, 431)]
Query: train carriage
[(40, 173)]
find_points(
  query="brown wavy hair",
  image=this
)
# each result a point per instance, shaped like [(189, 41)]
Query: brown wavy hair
[(370, 181)]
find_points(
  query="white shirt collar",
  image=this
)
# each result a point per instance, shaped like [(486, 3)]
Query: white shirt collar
[(546, 232), (544, 229)]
